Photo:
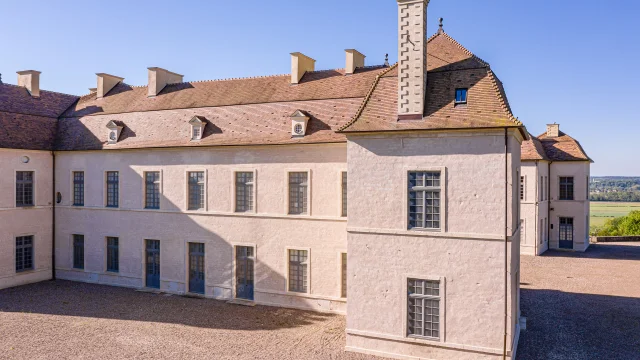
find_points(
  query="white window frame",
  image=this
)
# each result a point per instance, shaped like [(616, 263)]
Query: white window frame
[(186, 189), (443, 196), (144, 188), (286, 191), (234, 189), (15, 186), (33, 252), (286, 258), (405, 308)]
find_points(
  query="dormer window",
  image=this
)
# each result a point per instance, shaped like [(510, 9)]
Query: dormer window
[(114, 130), (299, 122), (197, 127), (461, 96)]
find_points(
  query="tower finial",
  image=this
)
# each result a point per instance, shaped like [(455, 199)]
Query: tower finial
[(441, 30), (386, 59)]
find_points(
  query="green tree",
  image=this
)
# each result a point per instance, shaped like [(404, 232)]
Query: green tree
[(622, 226)]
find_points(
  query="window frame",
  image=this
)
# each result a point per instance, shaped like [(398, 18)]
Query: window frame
[(343, 265), (443, 197), (560, 185), (15, 254), (523, 188), (73, 188), (145, 187), (106, 189), (73, 252), (108, 249), (466, 96), (287, 191), (187, 189), (344, 186), (234, 189), (404, 298), (33, 188), (288, 269)]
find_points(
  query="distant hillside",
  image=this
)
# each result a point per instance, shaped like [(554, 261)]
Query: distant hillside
[(615, 188)]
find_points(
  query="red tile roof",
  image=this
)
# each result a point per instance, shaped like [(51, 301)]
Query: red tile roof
[(532, 150), (563, 148)]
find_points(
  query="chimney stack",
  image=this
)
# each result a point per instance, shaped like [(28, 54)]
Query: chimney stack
[(355, 59), (553, 130), (159, 78), (106, 82), (412, 58), (300, 64), (30, 79)]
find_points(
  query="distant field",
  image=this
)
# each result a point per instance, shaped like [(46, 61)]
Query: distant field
[(602, 211)]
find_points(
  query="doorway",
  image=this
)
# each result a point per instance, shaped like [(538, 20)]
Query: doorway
[(566, 233), (196, 268), (152, 264)]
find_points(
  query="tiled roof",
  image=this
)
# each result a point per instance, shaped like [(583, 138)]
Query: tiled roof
[(532, 149), (563, 148), (27, 122), (317, 85), (449, 66)]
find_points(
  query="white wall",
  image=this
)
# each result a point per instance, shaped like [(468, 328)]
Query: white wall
[(534, 207)]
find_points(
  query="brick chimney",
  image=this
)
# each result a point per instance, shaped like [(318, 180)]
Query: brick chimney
[(106, 82), (30, 79), (159, 78), (412, 58), (355, 59), (553, 130), (300, 64)]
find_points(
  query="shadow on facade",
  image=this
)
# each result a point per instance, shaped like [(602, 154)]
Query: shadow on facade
[(601, 251)]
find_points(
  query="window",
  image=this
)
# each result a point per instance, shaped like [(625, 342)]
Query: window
[(541, 194), (541, 233), (24, 253), (24, 188), (112, 189), (424, 200), (244, 191), (461, 96), (566, 188), (343, 292), (78, 188), (113, 259), (424, 308), (152, 190), (196, 133), (521, 187), (566, 230), (298, 192), (196, 190), (546, 188), (298, 270), (78, 251), (344, 193)]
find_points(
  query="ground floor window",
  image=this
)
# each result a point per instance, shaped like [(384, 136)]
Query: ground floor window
[(24, 253), (78, 251), (298, 270), (344, 275), (423, 308), (113, 259)]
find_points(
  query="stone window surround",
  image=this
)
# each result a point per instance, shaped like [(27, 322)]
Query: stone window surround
[(234, 171), (34, 268), (105, 192), (573, 187), (106, 254), (286, 258), (341, 201), (405, 308), (443, 196), (72, 187), (286, 192), (15, 186), (144, 188), (72, 248), (186, 188)]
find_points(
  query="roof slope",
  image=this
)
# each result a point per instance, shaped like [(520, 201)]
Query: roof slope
[(563, 148), (532, 149), (449, 66)]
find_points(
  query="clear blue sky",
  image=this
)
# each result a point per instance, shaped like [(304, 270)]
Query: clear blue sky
[(565, 61)]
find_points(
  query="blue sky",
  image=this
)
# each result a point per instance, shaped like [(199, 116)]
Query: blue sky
[(565, 61)]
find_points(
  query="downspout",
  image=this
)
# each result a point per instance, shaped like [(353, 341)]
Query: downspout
[(53, 221), (506, 237)]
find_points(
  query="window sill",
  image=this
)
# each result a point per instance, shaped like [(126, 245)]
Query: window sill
[(26, 271), (425, 230), (25, 206), (425, 338)]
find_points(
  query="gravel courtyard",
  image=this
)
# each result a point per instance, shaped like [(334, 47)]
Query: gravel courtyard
[(582, 305), (62, 320)]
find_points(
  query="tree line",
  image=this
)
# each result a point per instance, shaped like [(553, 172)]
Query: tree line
[(615, 188)]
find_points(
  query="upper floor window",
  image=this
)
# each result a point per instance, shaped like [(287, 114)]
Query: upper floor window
[(461, 96), (113, 191), (244, 191), (24, 253), (424, 308), (24, 188), (424, 199), (298, 197), (344, 193), (78, 188), (152, 190), (566, 188), (522, 188), (196, 190)]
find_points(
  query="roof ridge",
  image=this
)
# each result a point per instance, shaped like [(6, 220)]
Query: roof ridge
[(367, 98), (461, 47), (41, 90), (503, 101)]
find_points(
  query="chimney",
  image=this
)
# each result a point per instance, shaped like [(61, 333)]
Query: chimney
[(355, 59), (159, 78), (30, 79), (300, 64), (553, 130), (412, 58), (106, 82), (93, 90)]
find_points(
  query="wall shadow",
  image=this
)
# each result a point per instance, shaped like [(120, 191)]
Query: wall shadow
[(611, 251)]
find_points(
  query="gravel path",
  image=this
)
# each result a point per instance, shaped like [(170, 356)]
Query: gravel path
[(63, 320), (582, 305)]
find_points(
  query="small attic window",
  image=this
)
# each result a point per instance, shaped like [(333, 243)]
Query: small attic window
[(197, 127), (461, 96), (196, 133), (299, 122), (114, 129)]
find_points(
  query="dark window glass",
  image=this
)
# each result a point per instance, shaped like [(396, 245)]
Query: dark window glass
[(196, 190), (78, 188), (78, 251), (24, 253), (112, 188), (244, 191), (152, 190), (113, 259), (424, 308), (566, 188), (424, 200), (298, 193), (24, 188), (344, 194), (298, 270), (461, 96)]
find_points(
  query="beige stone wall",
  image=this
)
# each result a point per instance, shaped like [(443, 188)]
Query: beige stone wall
[(534, 208), (270, 230), (36, 220), (468, 256)]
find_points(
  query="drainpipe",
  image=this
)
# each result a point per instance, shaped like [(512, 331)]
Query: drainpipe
[(506, 237), (53, 221)]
